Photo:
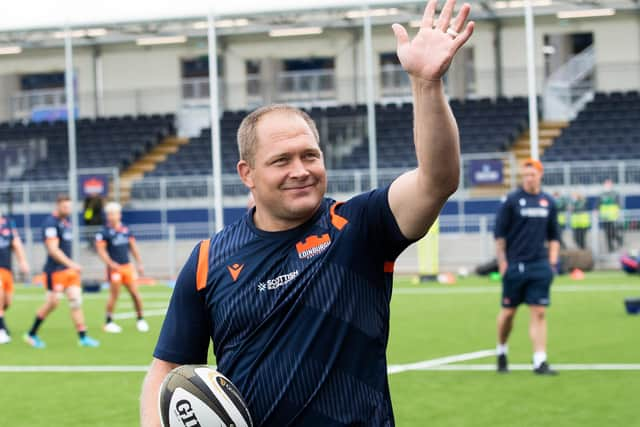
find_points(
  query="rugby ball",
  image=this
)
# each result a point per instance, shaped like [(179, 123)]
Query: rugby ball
[(198, 396)]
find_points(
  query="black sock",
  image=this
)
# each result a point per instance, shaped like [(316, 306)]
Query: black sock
[(82, 334), (36, 324), (140, 317), (109, 318), (2, 325)]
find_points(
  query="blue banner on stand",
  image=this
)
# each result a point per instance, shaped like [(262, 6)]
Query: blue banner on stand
[(485, 172)]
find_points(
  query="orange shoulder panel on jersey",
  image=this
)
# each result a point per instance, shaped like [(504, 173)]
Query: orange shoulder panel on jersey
[(202, 270), (338, 221)]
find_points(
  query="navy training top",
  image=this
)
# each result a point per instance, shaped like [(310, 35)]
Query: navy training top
[(299, 319), (526, 221)]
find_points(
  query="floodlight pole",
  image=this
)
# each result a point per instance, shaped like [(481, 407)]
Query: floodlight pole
[(371, 108), (215, 123), (531, 78), (71, 137)]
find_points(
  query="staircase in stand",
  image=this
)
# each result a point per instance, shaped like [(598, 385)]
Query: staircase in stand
[(147, 163)]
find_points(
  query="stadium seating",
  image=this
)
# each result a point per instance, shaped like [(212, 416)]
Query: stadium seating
[(485, 126), (194, 158), (606, 129), (103, 142)]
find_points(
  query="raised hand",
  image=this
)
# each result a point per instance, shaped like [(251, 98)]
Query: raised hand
[(429, 54)]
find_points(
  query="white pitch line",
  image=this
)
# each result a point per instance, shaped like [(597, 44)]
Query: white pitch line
[(452, 289), (394, 369), (133, 314), (87, 368), (528, 367), (92, 296), (436, 365)]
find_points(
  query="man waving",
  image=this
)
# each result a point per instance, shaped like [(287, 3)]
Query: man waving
[(295, 295)]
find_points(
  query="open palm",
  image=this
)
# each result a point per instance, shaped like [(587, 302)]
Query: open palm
[(429, 54)]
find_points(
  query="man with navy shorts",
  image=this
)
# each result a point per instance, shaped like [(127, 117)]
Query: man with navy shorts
[(525, 222), (295, 295)]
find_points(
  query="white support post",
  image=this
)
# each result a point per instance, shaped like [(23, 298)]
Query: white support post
[(71, 132), (531, 79), (371, 108), (215, 123)]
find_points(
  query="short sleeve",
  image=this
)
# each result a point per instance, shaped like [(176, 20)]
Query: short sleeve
[(378, 223), (49, 231), (503, 219), (184, 338)]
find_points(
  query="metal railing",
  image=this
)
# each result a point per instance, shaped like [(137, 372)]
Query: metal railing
[(394, 81), (296, 86), (165, 246), (586, 176)]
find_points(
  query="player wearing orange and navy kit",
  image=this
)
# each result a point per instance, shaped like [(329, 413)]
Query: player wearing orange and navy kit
[(113, 244), (9, 241), (62, 275)]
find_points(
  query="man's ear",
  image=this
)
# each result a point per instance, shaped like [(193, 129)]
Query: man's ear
[(246, 174)]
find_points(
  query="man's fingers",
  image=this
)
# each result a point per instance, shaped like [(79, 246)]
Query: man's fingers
[(459, 21), (402, 37), (445, 15), (464, 36), (429, 12)]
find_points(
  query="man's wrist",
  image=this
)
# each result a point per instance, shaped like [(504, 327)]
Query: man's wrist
[(420, 84)]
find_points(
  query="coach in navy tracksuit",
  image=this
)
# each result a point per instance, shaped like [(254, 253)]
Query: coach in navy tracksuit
[(526, 220)]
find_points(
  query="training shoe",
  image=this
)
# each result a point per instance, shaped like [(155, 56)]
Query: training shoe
[(112, 328), (87, 341), (34, 341), (142, 325), (4, 337), (503, 366), (544, 369)]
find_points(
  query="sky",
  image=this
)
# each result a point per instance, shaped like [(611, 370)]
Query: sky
[(34, 14)]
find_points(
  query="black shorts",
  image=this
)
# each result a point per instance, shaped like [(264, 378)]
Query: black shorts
[(527, 282)]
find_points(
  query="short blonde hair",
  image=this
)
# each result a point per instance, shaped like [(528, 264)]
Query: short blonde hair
[(248, 136), (113, 207)]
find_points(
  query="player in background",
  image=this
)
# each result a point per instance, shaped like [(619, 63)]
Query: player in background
[(526, 220), (9, 241), (295, 295), (62, 275), (113, 245)]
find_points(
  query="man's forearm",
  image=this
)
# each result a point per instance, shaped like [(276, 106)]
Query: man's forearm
[(60, 257), (501, 250), (554, 251), (149, 416), (18, 249), (436, 137)]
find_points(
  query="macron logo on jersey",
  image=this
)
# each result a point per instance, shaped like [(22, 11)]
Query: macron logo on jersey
[(312, 246), (234, 270)]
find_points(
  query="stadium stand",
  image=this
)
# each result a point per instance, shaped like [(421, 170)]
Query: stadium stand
[(606, 129), (103, 142), (485, 126)]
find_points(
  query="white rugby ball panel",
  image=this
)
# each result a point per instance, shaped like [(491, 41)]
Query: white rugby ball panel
[(227, 395), (193, 393), (186, 410)]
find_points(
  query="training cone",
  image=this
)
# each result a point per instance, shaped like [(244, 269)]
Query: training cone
[(447, 278), (577, 274)]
